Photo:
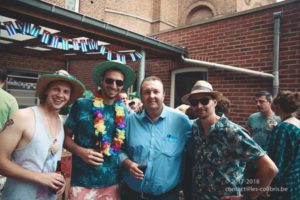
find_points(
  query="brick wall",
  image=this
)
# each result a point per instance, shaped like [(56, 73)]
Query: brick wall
[(244, 41)]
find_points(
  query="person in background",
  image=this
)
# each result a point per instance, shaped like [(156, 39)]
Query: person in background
[(153, 151), (182, 108), (8, 103), (98, 127), (124, 97), (136, 105), (284, 146), (220, 150), (261, 123), (223, 106), (31, 142)]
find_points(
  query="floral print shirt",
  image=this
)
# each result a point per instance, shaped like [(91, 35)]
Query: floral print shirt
[(220, 158), (285, 152)]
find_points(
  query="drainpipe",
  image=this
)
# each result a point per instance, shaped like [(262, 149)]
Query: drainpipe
[(228, 67), (277, 17), (141, 72)]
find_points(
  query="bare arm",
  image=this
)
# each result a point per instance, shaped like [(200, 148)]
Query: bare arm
[(266, 170), (16, 134), (88, 155)]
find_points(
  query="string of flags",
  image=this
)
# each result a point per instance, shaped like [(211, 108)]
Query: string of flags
[(83, 45)]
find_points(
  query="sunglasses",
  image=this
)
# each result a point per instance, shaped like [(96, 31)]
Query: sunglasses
[(195, 102), (110, 81)]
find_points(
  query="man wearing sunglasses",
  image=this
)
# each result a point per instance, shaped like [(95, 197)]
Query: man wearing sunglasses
[(98, 127), (220, 150)]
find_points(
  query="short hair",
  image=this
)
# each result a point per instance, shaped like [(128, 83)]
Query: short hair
[(3, 74), (288, 102), (151, 78), (265, 93)]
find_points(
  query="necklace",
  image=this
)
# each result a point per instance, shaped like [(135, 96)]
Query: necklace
[(53, 149), (106, 147)]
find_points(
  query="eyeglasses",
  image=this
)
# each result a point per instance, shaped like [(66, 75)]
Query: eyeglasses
[(110, 81), (204, 101)]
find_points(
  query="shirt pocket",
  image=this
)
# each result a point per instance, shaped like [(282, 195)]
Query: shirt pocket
[(172, 145)]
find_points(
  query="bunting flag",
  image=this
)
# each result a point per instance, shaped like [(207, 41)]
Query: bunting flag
[(54, 41), (118, 57), (45, 37), (26, 28), (75, 45), (123, 59), (19, 25), (109, 55), (35, 31), (65, 43), (132, 57), (85, 45), (10, 28), (92, 44), (102, 50), (138, 55)]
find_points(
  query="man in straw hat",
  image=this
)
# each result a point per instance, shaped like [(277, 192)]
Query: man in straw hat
[(32, 139), (98, 127), (220, 150)]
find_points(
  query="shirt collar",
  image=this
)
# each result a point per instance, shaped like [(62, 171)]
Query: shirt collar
[(162, 115)]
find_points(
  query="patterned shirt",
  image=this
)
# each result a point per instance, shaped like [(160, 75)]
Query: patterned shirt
[(80, 120), (261, 127), (220, 158), (284, 150)]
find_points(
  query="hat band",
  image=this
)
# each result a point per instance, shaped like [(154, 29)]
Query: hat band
[(199, 87)]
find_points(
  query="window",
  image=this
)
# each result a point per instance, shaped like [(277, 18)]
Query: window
[(72, 5), (182, 82), (22, 86)]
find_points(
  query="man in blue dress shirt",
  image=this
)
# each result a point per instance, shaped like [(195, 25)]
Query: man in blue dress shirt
[(155, 139)]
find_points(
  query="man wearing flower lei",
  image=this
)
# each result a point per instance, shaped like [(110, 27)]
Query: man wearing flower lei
[(98, 127), (153, 152)]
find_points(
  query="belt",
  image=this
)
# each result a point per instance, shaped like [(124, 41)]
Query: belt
[(131, 194)]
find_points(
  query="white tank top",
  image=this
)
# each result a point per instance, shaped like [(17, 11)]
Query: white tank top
[(35, 156)]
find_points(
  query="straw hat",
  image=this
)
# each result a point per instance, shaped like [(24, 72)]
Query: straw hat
[(61, 75), (101, 68), (200, 87)]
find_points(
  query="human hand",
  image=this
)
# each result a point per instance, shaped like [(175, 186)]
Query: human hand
[(134, 170), (92, 157), (55, 181)]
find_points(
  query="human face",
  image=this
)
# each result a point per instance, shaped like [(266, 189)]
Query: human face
[(152, 95), (203, 105), (110, 87), (123, 96), (263, 105), (58, 94)]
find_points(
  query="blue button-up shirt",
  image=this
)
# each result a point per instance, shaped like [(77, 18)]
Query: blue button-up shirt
[(160, 144)]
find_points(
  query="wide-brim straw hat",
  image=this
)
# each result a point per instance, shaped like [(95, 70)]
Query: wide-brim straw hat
[(101, 68), (45, 79), (201, 87)]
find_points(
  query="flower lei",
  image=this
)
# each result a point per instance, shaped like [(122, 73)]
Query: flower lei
[(106, 147)]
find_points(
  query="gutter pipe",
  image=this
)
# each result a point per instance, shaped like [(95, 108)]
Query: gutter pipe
[(228, 67), (277, 18)]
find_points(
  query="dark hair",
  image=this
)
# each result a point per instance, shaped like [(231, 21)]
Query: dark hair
[(3, 74), (267, 94), (287, 101), (151, 78), (223, 106), (190, 113)]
